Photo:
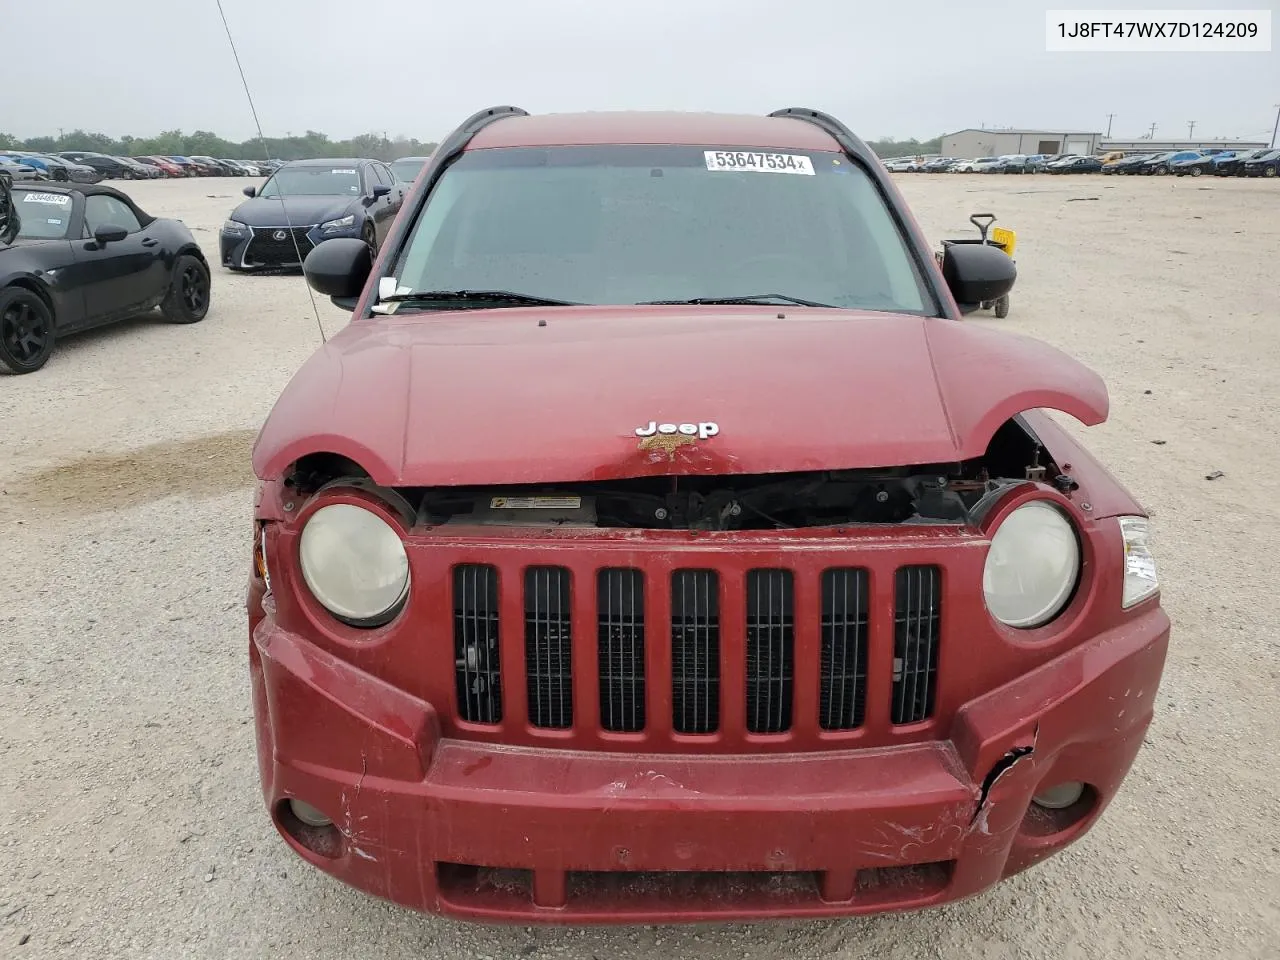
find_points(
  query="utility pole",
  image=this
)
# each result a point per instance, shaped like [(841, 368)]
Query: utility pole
[(1276, 128), (1109, 116), (1152, 132), (1191, 125)]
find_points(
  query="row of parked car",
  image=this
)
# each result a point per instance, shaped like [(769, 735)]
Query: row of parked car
[(1224, 163), (83, 166)]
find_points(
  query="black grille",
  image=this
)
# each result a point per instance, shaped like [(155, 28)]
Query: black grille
[(620, 602), (695, 651), (265, 250), (917, 617), (844, 649), (475, 643), (548, 647), (770, 650)]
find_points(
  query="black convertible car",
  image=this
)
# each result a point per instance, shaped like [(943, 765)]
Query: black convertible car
[(75, 256), (306, 202)]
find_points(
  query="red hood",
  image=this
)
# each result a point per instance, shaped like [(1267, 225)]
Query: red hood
[(483, 399)]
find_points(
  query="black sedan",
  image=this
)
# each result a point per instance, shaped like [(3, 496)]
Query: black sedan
[(105, 165), (306, 202), (1234, 166), (77, 256), (1263, 165), (1076, 165)]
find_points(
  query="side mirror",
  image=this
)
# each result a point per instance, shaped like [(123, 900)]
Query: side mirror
[(339, 269), (109, 233), (977, 273), (250, 192), (380, 190)]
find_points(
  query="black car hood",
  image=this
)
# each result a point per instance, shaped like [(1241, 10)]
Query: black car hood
[(299, 211)]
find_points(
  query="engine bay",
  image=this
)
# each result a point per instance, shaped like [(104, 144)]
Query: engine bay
[(921, 494)]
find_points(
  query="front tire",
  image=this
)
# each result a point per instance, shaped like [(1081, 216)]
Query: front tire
[(188, 298), (1269, 171), (1196, 171), (26, 331), (371, 238)]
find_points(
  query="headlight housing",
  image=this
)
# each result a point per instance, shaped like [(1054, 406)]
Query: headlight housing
[(1140, 578), (342, 223), (1032, 567), (355, 564), (233, 228)]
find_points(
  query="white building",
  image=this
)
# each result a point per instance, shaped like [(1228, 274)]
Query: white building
[(972, 143)]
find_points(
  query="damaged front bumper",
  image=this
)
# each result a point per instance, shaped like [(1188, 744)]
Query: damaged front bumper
[(500, 833)]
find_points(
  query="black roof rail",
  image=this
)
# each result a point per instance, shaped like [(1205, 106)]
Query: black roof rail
[(448, 150), (854, 146), (457, 141), (849, 141)]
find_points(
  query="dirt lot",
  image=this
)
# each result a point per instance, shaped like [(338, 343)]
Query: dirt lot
[(130, 819)]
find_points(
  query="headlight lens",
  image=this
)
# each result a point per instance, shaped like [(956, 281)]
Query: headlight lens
[(355, 564), (1140, 579), (341, 224), (1032, 566), (233, 227)]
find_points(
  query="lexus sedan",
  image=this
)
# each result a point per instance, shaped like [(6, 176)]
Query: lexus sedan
[(306, 202)]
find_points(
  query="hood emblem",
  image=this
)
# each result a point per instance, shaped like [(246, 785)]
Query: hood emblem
[(669, 437), (279, 235)]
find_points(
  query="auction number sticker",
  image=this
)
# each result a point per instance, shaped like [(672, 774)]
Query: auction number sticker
[(58, 199), (342, 171), (758, 162)]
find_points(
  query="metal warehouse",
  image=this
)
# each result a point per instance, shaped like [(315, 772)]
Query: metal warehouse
[(971, 143)]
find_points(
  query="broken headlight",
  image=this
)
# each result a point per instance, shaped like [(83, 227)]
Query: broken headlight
[(1032, 566), (1140, 580), (355, 564)]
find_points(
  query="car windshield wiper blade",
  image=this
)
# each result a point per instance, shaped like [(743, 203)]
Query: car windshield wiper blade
[(476, 296), (758, 298)]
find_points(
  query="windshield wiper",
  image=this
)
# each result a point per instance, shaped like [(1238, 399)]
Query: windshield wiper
[(477, 296), (759, 298)]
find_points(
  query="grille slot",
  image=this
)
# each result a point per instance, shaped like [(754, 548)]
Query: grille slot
[(770, 650), (695, 651), (478, 667), (917, 617), (620, 606), (843, 699), (548, 647), (265, 250)]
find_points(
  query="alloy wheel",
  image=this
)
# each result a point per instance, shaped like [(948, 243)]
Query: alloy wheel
[(24, 331)]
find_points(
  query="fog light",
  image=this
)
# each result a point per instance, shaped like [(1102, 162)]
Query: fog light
[(308, 814), (1061, 796)]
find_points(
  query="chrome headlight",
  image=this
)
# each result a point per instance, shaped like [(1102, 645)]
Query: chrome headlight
[(1140, 579), (355, 564), (342, 223), (1032, 566), (233, 228)]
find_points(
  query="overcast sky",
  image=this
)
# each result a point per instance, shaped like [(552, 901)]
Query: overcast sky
[(416, 67)]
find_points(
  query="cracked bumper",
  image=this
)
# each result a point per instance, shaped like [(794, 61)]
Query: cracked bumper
[(532, 835)]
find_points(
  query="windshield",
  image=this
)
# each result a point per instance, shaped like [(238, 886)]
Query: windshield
[(636, 224), (407, 170), (334, 181), (45, 216)]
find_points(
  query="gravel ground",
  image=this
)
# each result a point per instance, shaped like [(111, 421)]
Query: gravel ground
[(130, 819)]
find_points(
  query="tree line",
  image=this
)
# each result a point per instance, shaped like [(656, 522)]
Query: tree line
[(202, 143)]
